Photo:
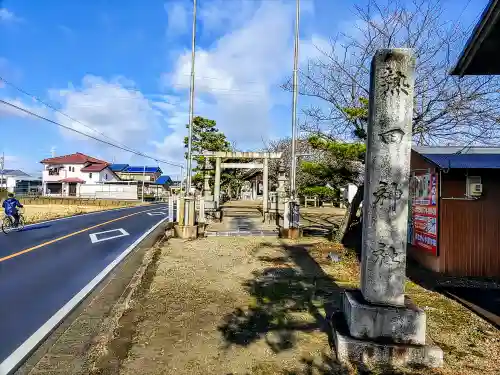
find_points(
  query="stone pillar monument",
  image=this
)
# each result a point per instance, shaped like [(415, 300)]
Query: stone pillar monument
[(380, 312), (217, 182), (206, 180)]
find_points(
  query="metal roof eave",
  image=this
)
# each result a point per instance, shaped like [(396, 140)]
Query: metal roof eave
[(481, 31)]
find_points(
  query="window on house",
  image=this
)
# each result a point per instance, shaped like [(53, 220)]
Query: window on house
[(106, 176), (54, 172), (90, 175)]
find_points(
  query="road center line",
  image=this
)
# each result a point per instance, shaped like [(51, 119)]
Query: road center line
[(70, 235)]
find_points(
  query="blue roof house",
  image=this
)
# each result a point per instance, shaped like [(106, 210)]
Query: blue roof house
[(128, 172)]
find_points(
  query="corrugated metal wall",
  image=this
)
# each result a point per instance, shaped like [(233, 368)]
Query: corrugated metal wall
[(470, 230)]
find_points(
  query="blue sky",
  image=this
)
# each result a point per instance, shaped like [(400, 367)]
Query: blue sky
[(122, 68)]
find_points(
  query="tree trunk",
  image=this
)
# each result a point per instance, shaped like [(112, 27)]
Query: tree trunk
[(350, 215)]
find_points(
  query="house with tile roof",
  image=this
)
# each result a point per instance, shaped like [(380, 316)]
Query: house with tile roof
[(63, 175)]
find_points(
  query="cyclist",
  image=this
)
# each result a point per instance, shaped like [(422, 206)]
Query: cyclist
[(10, 205)]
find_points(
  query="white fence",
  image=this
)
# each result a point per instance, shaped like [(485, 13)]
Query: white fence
[(108, 191)]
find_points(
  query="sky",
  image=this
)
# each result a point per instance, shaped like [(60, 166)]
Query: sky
[(119, 71)]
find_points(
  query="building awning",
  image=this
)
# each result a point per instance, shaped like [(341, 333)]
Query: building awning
[(465, 161), (481, 55), (73, 180)]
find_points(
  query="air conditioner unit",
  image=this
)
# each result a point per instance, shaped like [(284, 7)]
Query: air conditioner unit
[(476, 189)]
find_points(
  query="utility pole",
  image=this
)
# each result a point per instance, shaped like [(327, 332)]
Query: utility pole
[(294, 104), (191, 104), (143, 178), (293, 173)]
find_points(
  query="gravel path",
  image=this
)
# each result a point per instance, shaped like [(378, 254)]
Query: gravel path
[(201, 315)]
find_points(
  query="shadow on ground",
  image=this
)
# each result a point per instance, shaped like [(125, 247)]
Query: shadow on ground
[(287, 301)]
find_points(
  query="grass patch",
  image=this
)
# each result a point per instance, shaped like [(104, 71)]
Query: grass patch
[(44, 212), (470, 344)]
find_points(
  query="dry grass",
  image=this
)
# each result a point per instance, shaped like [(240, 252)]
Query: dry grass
[(257, 306), (471, 345), (36, 213)]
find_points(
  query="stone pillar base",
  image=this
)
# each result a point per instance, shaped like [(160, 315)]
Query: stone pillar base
[(372, 354), (290, 233), (378, 335), (404, 324), (201, 229), (189, 232)]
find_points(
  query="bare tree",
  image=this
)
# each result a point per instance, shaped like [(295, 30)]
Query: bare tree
[(284, 145), (447, 110)]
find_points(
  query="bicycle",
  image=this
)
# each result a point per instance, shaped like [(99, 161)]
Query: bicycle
[(8, 224)]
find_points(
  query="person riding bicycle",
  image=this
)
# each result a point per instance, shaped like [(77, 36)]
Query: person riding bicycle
[(11, 206)]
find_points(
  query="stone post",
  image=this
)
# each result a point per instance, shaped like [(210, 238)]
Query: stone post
[(380, 312), (177, 208), (171, 208), (286, 213), (265, 188), (201, 211), (206, 180), (217, 182), (181, 211)]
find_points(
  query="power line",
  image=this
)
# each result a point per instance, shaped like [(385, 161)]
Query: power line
[(60, 112), (122, 146), (88, 135)]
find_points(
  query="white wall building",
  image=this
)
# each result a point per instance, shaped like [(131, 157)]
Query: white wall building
[(18, 182), (64, 175)]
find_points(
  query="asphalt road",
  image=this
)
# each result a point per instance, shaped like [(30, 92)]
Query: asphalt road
[(46, 265)]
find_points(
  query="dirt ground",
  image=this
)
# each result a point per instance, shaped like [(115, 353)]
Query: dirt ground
[(35, 213), (255, 305)]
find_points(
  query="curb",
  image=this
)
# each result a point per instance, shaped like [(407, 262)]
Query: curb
[(101, 356)]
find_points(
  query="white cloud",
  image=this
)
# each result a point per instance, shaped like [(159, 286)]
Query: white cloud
[(116, 111), (8, 16), (239, 74), (178, 14), (222, 15), (111, 110), (236, 76)]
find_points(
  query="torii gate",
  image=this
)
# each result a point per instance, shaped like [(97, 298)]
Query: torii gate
[(219, 165)]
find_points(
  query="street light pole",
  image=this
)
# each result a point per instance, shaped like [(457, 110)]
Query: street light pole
[(191, 104), (294, 104)]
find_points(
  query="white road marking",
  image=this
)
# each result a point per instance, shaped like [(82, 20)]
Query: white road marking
[(14, 360), (95, 239), (156, 213)]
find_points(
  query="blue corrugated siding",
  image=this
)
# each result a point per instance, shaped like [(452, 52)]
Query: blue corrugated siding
[(462, 161), (118, 167), (134, 169)]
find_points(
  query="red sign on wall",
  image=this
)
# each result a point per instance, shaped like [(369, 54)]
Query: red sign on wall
[(424, 212)]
